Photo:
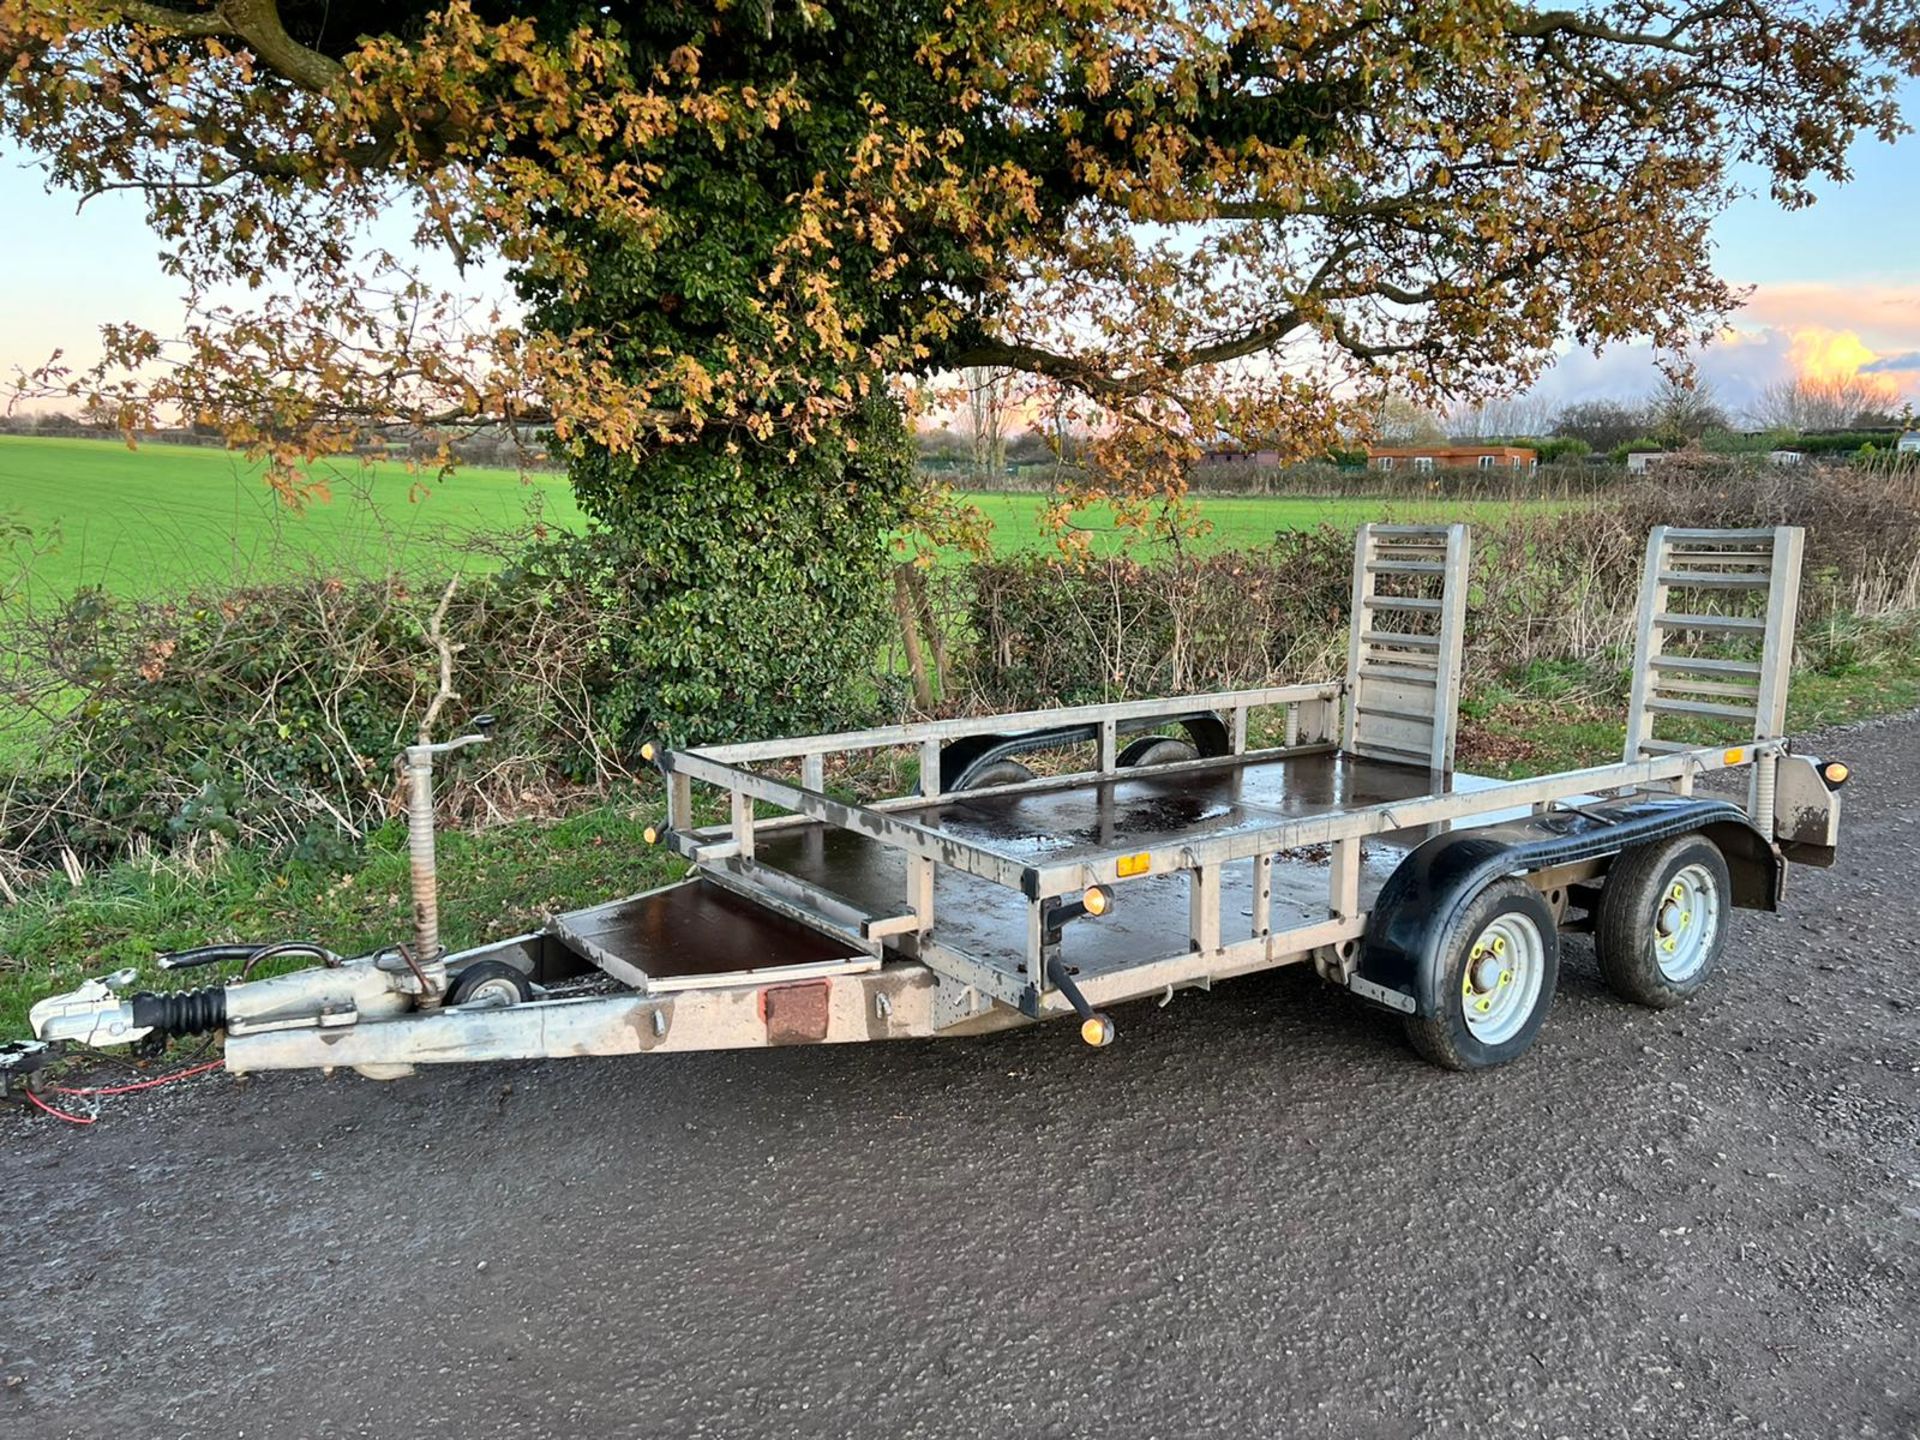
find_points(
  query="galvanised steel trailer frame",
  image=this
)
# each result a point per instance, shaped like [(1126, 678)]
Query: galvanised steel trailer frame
[(1320, 823)]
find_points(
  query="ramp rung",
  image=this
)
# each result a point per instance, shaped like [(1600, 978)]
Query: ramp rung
[(1757, 558), (1411, 642), (1732, 624), (1714, 580), (1702, 708), (1671, 689), (1731, 537), (1405, 675), (1376, 747), (1406, 567), (1388, 602), (1384, 713), (1705, 665)]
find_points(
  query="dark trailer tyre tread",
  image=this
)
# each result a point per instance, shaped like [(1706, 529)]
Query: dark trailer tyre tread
[(1662, 920), (1500, 960)]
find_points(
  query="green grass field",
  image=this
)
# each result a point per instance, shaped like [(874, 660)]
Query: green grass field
[(1233, 522), (166, 518)]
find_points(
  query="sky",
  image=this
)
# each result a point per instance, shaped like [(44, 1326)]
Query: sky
[(1836, 286)]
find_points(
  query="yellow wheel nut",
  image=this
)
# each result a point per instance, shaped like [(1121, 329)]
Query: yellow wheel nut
[(1506, 977)]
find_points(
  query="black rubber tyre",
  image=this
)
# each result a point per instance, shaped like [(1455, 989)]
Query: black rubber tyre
[(1449, 1039), (1627, 927), (1000, 772), (490, 981), (1156, 750)]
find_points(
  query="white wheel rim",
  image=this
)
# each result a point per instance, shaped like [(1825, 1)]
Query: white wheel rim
[(492, 994), (1686, 923), (1501, 982)]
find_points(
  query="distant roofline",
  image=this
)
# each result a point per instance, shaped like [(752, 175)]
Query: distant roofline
[(1398, 451)]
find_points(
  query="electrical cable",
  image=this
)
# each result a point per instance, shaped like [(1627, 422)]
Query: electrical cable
[(290, 947), (59, 1114), (142, 1085)]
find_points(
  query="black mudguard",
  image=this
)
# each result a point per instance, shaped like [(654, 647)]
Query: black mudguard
[(1399, 962)]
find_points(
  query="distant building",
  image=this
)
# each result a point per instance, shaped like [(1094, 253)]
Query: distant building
[(1786, 457), (1233, 455), (1640, 461), (1450, 457), (1909, 443)]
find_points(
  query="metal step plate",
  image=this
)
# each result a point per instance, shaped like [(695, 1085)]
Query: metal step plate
[(694, 935)]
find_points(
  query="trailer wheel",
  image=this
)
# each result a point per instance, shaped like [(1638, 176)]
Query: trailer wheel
[(1156, 750), (487, 983), (1501, 962), (1000, 772), (1662, 920)]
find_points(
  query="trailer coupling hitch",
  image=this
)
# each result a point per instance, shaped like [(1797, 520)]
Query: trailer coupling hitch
[(98, 1014)]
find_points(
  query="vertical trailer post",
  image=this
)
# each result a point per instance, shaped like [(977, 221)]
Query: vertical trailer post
[(741, 805), (1203, 921), (1262, 895), (1649, 639), (1776, 667)]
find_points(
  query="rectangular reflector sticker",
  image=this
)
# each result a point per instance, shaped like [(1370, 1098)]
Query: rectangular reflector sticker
[(1133, 864), (1734, 756)]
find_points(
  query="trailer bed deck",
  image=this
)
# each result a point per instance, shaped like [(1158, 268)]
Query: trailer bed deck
[(662, 937)]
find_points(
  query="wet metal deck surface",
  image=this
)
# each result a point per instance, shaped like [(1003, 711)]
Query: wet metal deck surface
[(696, 929), (1149, 920)]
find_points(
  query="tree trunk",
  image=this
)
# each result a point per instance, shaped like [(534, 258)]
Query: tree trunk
[(903, 606), (936, 637)]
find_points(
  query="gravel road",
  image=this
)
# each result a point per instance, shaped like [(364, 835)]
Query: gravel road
[(1257, 1215)]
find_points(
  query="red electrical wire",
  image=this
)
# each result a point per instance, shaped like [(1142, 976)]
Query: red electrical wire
[(142, 1085), (59, 1114)]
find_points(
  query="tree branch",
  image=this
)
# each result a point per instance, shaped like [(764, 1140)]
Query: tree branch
[(257, 24), (1567, 22)]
